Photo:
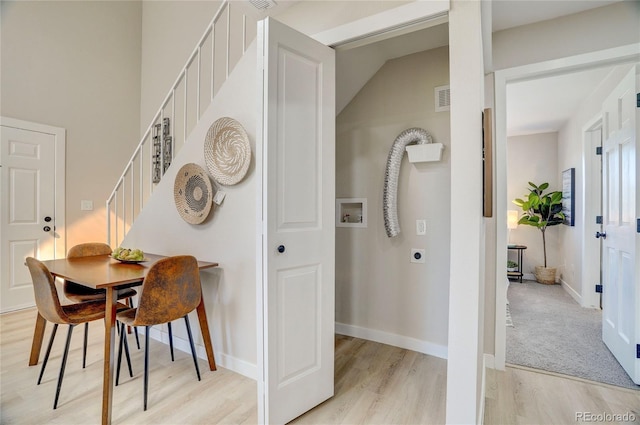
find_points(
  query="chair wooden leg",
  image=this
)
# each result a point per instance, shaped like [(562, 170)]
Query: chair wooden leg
[(146, 365), (84, 347), (193, 348), (170, 339), (46, 356), (62, 366)]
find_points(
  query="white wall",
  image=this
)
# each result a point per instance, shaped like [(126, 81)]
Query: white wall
[(379, 293), (465, 371), (588, 31), (227, 236), (313, 16), (533, 158), (170, 32), (76, 65)]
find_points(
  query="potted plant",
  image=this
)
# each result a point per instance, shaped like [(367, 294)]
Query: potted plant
[(542, 210), (512, 266)]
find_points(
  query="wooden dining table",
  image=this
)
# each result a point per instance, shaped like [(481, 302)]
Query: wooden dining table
[(104, 272)]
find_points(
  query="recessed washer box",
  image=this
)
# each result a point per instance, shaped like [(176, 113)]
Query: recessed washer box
[(351, 212)]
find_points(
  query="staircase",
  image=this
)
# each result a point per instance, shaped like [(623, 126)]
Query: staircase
[(223, 43)]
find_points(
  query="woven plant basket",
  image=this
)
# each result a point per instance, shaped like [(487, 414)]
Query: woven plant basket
[(546, 275)]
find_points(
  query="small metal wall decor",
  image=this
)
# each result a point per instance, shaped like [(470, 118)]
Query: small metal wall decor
[(162, 149)]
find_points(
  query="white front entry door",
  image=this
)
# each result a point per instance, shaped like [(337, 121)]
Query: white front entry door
[(621, 212), (28, 195), (296, 168)]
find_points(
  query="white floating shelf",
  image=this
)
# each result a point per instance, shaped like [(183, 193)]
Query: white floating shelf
[(426, 152)]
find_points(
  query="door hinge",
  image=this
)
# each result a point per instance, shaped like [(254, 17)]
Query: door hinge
[(598, 219), (599, 289), (637, 225), (637, 351), (638, 100), (599, 150)]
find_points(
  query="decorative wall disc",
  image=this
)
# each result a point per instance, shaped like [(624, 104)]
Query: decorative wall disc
[(227, 152), (192, 193)]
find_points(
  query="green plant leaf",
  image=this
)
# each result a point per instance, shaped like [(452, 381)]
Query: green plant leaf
[(534, 200)]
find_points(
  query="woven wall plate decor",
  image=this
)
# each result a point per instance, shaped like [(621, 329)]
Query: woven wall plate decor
[(192, 193), (227, 152)]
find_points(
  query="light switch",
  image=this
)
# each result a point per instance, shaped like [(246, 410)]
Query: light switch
[(86, 205), (421, 227)]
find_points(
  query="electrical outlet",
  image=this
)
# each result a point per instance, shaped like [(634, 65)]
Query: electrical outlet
[(86, 205), (421, 227), (417, 255)]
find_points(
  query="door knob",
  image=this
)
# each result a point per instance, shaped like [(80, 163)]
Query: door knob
[(281, 249), (602, 235), (46, 228), (47, 219)]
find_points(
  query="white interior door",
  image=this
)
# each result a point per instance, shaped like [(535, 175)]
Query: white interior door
[(621, 196), (27, 159), (296, 166)]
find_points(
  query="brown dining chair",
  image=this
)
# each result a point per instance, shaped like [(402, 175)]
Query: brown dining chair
[(50, 309), (80, 293), (170, 291)]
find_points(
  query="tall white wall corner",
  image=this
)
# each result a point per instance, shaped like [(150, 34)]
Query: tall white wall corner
[(466, 302)]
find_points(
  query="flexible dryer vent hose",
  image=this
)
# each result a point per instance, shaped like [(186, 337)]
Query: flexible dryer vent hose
[(392, 173)]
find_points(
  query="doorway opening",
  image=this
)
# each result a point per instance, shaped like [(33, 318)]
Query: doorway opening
[(577, 251), (382, 293)]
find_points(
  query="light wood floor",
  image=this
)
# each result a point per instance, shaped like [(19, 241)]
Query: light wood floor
[(374, 384), (381, 384), (520, 395), (175, 394)]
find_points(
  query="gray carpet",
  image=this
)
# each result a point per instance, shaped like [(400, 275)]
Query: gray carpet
[(552, 332)]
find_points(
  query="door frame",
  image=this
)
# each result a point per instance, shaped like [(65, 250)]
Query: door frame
[(60, 136), (591, 265), (612, 56), (382, 25)]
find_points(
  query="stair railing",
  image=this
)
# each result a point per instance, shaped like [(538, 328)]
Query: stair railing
[(221, 46)]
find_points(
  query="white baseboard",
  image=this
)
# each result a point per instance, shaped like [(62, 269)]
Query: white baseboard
[(401, 341), (224, 360), (489, 361), (575, 295)]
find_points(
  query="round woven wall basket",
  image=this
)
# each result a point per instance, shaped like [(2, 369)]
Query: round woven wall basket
[(193, 194), (227, 152)]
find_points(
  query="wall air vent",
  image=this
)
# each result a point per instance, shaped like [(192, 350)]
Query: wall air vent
[(443, 98), (263, 4)]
